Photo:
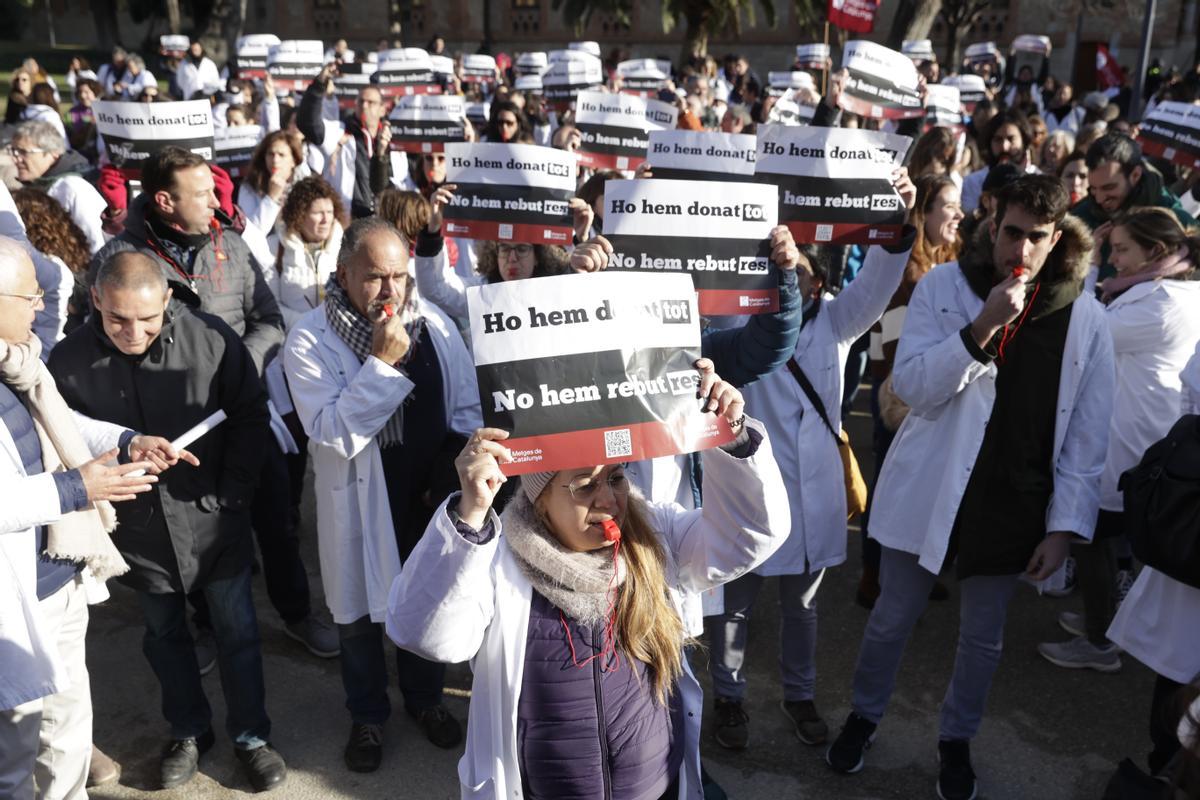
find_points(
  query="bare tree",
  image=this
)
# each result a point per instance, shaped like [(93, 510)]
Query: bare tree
[(913, 20), (959, 17)]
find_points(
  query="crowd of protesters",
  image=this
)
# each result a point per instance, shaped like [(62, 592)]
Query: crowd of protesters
[(1031, 333)]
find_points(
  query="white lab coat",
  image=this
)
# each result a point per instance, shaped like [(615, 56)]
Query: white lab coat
[(342, 405), (190, 78), (456, 601), (445, 286), (85, 205), (951, 395), (1155, 327), (134, 84), (339, 160), (261, 209), (297, 286), (29, 664), (807, 454)]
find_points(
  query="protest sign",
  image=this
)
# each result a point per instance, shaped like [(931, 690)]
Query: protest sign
[(173, 45), (424, 123), (590, 369), (643, 76), (982, 53), (788, 110), (702, 155), (812, 56), (233, 148), (510, 192), (716, 231), (943, 106), (350, 80), (252, 50), (591, 48), (613, 128), (135, 132), (882, 83), (570, 72), (294, 63), (531, 64), (406, 70), (478, 68), (780, 82), (918, 49), (478, 114), (1030, 51), (1172, 131), (971, 89), (857, 16), (531, 84), (835, 184)]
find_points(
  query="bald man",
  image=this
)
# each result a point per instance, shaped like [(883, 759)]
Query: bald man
[(55, 491), (147, 361)]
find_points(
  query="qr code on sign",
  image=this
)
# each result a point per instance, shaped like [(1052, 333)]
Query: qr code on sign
[(505, 231), (618, 443), (824, 233)]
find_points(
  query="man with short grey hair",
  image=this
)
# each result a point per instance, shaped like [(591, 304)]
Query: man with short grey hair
[(385, 389), (42, 159)]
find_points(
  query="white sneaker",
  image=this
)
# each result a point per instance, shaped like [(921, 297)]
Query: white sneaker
[(1124, 584), (1079, 653), (1072, 622)]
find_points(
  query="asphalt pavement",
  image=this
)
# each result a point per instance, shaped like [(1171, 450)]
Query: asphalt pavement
[(1049, 733)]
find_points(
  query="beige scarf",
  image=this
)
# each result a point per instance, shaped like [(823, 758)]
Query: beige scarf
[(81, 536)]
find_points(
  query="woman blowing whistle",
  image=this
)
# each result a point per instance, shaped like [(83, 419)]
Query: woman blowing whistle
[(568, 605)]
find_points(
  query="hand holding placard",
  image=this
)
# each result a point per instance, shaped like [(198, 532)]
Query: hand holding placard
[(479, 474)]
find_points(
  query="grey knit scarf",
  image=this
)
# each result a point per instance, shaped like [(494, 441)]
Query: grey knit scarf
[(576, 583)]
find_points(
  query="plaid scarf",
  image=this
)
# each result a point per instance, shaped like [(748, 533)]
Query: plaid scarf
[(357, 331)]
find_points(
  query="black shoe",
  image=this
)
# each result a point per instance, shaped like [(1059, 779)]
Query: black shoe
[(181, 759), (956, 779), (805, 718), (848, 750), (440, 728), (733, 724), (364, 751), (264, 766)]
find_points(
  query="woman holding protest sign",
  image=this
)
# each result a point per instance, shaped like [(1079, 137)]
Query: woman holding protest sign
[(581, 571), (799, 406)]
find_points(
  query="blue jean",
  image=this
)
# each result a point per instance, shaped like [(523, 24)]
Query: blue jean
[(365, 679), (168, 647)]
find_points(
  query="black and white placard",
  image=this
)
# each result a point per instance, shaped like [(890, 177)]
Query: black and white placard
[(135, 132), (425, 123), (702, 155), (613, 128), (882, 83)]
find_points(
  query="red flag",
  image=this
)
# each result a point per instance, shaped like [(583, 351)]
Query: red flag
[(1109, 74), (857, 16)]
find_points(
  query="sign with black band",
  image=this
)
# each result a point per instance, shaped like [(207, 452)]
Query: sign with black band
[(478, 68), (350, 80), (510, 192), (971, 89), (613, 128), (425, 123), (133, 133), (570, 72), (233, 148), (812, 56), (702, 155), (293, 64), (534, 63), (835, 184), (252, 50), (943, 106), (173, 45), (882, 83), (643, 76), (1172, 131), (715, 231), (591, 369), (406, 70), (788, 110)]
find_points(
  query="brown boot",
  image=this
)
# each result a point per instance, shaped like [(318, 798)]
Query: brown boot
[(103, 770), (868, 588)]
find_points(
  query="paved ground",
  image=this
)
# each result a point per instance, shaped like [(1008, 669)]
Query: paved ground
[(1049, 733)]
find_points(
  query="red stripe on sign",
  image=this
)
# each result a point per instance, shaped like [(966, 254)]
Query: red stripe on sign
[(391, 90), (561, 235), (419, 147), (843, 233), (865, 108), (609, 161), (723, 302), (1160, 149), (616, 444)]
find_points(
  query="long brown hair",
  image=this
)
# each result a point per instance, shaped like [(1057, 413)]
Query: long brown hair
[(408, 211), (648, 625), (924, 255), (51, 230), (548, 259), (936, 146), (1157, 230), (257, 175)]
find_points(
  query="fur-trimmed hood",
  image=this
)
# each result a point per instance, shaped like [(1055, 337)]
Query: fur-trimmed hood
[(1069, 261)]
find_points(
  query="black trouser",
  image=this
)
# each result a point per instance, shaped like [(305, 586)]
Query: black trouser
[(1096, 576), (278, 541), (1166, 709), (881, 440)]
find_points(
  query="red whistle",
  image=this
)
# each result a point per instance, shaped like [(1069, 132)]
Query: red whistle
[(388, 311), (1018, 270), (612, 532)]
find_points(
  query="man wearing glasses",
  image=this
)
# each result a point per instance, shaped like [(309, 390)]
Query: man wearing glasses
[(385, 389), (40, 155)]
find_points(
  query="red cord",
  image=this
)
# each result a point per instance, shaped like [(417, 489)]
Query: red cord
[(608, 646), (1008, 336)]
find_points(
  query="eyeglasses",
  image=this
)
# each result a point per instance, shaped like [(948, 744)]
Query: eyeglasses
[(584, 490), (520, 250), (33, 299), (23, 152)]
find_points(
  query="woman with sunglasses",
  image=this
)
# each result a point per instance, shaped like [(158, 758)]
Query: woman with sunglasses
[(569, 604)]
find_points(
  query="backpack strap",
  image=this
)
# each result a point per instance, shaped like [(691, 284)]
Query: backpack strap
[(811, 393)]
